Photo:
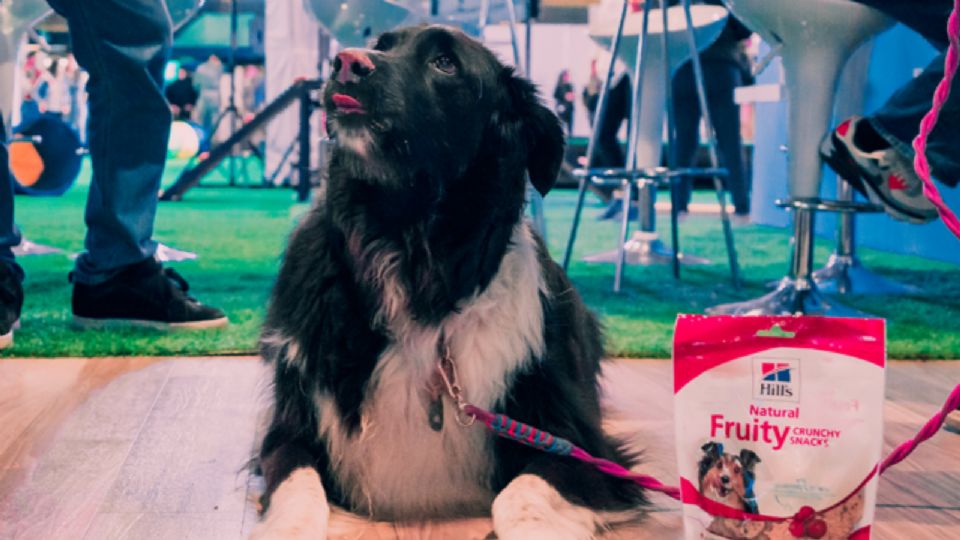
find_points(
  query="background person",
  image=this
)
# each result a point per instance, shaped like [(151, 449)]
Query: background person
[(725, 67), (563, 97), (182, 95)]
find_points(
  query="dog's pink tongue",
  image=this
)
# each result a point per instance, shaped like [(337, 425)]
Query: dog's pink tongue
[(343, 101)]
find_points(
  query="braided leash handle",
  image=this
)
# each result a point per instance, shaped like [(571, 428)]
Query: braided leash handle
[(930, 121), (928, 430), (510, 429)]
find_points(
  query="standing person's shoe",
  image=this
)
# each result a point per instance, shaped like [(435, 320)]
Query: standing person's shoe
[(11, 302), (145, 295), (874, 168)]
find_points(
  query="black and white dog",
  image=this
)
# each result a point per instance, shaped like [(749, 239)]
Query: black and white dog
[(419, 238)]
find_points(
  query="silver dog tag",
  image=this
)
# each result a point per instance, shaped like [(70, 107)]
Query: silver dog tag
[(435, 414)]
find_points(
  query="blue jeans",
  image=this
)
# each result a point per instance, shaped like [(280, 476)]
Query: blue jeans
[(898, 120), (720, 78), (123, 45)]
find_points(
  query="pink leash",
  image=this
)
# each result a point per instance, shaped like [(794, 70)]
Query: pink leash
[(930, 120), (508, 428), (806, 522)]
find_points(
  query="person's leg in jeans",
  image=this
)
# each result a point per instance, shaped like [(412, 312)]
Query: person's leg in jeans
[(722, 78), (898, 121), (124, 44), (9, 233), (11, 275), (686, 117)]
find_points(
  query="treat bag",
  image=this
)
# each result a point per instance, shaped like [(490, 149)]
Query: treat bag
[(779, 425)]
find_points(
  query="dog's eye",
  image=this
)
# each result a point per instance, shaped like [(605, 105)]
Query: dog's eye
[(719, 465), (444, 64), (736, 470)]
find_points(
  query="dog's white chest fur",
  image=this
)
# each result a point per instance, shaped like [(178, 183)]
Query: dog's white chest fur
[(396, 465)]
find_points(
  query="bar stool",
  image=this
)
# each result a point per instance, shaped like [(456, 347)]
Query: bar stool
[(687, 31), (816, 37), (844, 273)]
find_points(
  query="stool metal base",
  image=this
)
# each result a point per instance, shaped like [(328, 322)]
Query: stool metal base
[(792, 297), (846, 275), (645, 249)]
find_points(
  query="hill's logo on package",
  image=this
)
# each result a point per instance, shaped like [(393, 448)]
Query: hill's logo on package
[(776, 379), (778, 425)]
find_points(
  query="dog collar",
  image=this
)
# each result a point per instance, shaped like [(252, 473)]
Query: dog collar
[(445, 381)]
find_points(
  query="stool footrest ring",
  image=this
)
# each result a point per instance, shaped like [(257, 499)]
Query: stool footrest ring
[(829, 205), (648, 173)]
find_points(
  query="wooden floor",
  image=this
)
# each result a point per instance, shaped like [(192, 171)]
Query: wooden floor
[(156, 449)]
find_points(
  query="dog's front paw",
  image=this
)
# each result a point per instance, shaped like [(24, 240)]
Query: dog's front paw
[(298, 510), (531, 509)]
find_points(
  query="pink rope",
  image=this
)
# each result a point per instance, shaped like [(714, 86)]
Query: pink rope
[(930, 120), (928, 430), (608, 467), (648, 482)]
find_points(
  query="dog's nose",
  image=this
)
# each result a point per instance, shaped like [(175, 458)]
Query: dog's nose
[(351, 65), (725, 479)]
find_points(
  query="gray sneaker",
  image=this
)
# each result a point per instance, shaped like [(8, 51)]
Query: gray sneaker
[(886, 176)]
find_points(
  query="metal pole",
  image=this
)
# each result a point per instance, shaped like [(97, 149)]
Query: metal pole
[(484, 11), (802, 260), (303, 165), (234, 17), (591, 145), (634, 133), (712, 145), (526, 44), (514, 41), (625, 186), (533, 196), (633, 136), (668, 146), (847, 233)]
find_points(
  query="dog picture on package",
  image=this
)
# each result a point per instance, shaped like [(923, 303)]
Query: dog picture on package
[(728, 478)]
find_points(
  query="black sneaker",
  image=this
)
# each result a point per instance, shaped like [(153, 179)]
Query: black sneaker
[(11, 302), (143, 295)]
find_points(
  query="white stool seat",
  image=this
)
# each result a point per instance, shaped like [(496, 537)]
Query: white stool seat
[(816, 38), (708, 22), (354, 22)]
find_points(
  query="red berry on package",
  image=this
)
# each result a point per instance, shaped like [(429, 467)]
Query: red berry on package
[(797, 529), (817, 529), (804, 513)]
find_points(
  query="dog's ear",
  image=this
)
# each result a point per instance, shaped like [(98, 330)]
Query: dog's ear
[(712, 449), (749, 459), (540, 133)]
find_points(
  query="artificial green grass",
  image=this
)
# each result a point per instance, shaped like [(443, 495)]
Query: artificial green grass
[(239, 235)]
